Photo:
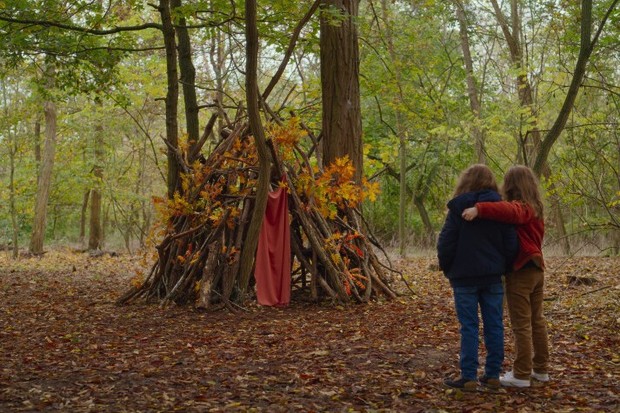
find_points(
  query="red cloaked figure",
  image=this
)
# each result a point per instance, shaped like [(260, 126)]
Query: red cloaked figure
[(273, 255)]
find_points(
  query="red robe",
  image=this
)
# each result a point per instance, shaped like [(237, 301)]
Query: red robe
[(273, 255)]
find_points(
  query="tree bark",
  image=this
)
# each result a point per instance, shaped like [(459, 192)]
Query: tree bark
[(188, 78), (12, 192), (37, 144), (95, 233), (342, 121), (85, 199), (248, 250), (172, 97), (45, 174)]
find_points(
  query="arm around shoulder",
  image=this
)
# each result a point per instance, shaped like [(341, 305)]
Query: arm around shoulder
[(511, 212)]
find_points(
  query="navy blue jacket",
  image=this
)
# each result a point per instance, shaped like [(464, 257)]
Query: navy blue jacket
[(477, 252)]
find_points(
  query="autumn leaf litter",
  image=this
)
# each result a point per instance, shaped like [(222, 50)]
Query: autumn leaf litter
[(67, 347)]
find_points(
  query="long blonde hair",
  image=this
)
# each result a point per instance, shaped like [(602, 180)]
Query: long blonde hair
[(477, 177), (520, 184)]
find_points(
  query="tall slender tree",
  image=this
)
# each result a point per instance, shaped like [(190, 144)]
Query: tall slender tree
[(44, 182)]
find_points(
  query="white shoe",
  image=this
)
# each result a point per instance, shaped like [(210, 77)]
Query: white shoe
[(544, 377), (509, 380)]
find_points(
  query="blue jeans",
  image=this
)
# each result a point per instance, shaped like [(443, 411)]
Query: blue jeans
[(490, 299)]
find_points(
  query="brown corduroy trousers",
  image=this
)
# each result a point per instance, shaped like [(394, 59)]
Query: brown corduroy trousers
[(524, 295)]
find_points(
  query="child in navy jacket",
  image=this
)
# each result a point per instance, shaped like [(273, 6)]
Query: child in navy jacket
[(474, 256)]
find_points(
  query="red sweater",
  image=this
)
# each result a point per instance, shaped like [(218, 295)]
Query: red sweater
[(530, 229)]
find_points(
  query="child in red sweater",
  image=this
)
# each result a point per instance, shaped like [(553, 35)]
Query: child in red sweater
[(524, 285)]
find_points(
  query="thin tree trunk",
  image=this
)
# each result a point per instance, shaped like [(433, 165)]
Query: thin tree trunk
[(85, 199), (342, 122), (400, 130), (188, 78), (472, 88), (248, 250), (531, 142), (95, 234), (172, 97), (217, 58), (12, 191)]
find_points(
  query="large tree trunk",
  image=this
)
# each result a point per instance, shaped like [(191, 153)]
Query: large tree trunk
[(342, 121), (472, 88), (45, 180), (172, 98)]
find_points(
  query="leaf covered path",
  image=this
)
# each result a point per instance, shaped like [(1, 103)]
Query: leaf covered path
[(65, 346)]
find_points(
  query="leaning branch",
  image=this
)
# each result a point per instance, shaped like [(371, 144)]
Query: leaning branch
[(114, 30), (289, 50)]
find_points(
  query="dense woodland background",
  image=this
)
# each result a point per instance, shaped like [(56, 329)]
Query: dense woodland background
[(84, 86)]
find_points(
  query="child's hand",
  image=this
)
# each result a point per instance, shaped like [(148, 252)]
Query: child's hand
[(470, 214)]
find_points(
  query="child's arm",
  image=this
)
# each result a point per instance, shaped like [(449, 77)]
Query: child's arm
[(503, 211)]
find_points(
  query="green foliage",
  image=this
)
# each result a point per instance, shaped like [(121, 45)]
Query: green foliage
[(413, 86)]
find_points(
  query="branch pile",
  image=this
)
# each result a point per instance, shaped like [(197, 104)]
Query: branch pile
[(198, 257)]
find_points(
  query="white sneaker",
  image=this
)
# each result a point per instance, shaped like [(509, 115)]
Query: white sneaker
[(544, 377), (509, 380)]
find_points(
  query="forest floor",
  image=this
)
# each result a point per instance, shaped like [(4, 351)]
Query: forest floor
[(65, 346)]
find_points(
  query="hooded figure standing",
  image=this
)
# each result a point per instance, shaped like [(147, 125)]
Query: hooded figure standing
[(474, 256)]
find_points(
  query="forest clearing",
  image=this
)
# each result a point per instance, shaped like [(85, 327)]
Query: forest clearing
[(66, 346), (214, 145)]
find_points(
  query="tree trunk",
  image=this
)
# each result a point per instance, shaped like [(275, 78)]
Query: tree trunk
[(399, 128), (12, 208), (530, 141), (85, 199), (37, 145), (12, 192), (188, 78), (248, 250), (217, 57), (95, 234), (530, 144), (472, 88), (45, 179), (585, 51), (172, 97), (342, 122)]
